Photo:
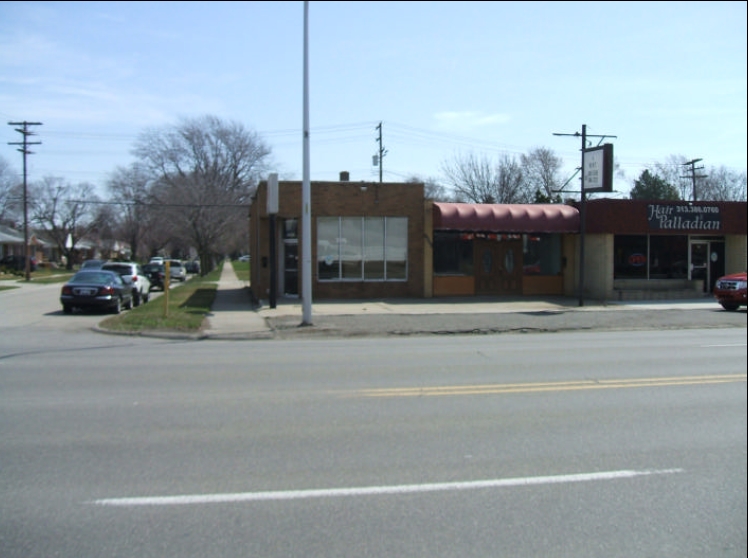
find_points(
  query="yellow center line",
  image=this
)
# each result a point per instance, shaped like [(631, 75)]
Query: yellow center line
[(551, 386)]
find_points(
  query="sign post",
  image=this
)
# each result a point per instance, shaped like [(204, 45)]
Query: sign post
[(167, 277), (597, 172)]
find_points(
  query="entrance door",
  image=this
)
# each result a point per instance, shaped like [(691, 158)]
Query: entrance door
[(290, 267), (698, 257), (707, 262), (498, 267)]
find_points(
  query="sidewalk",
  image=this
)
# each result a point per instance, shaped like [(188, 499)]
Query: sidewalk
[(233, 315)]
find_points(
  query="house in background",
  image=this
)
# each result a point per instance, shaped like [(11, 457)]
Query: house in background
[(11, 243)]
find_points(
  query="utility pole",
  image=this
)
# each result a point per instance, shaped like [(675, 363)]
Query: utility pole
[(694, 176), (381, 151), (584, 135), (25, 132)]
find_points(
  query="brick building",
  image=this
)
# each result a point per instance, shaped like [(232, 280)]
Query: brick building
[(367, 240), (384, 240)]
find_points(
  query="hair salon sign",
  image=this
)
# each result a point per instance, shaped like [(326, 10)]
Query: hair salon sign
[(684, 217)]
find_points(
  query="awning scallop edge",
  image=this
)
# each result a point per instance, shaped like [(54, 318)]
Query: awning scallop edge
[(506, 218)]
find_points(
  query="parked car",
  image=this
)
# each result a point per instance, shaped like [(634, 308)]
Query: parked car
[(244, 258), (156, 272), (96, 289), (93, 264), (18, 263), (156, 260), (141, 284), (177, 270), (730, 291), (192, 266)]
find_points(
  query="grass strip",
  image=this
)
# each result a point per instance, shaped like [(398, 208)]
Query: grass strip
[(189, 304)]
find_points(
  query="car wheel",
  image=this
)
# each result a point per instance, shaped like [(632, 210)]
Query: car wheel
[(67, 309), (117, 308), (129, 304), (146, 296), (730, 306), (136, 298)]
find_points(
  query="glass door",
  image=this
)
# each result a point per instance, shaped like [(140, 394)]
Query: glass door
[(290, 272), (698, 262)]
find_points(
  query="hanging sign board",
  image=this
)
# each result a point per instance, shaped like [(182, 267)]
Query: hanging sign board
[(598, 168)]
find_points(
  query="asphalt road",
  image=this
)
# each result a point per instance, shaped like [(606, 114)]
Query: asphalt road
[(570, 444)]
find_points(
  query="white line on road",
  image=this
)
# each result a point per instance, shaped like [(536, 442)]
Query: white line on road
[(371, 490)]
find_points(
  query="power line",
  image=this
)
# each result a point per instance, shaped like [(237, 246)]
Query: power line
[(148, 204)]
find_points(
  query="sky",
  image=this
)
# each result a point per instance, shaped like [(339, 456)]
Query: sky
[(444, 80)]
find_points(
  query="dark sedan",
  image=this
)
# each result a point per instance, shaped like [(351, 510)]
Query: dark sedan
[(96, 289), (156, 273)]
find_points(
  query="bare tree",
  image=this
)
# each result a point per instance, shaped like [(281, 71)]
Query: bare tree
[(541, 169), (433, 190), (722, 184), (207, 170), (478, 180), (710, 184), (511, 187), (130, 191), (11, 193), (674, 172), (67, 212)]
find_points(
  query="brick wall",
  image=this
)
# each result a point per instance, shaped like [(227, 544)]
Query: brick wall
[(341, 199)]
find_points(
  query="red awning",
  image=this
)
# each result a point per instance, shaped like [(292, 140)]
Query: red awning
[(507, 218)]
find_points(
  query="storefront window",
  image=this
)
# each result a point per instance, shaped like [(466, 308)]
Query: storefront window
[(668, 257), (542, 254), (396, 248), (453, 253), (362, 248), (350, 248), (374, 248), (630, 256), (328, 259), (651, 257)]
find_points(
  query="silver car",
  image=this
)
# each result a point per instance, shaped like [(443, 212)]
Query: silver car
[(177, 271), (140, 281)]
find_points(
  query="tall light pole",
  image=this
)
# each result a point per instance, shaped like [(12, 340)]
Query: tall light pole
[(306, 197), (25, 150)]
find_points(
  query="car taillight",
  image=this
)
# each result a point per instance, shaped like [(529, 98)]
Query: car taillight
[(106, 290), (135, 278), (66, 290)]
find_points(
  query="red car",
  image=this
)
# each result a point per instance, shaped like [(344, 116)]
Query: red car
[(730, 290)]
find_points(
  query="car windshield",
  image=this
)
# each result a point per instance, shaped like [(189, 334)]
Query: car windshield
[(92, 277), (121, 269)]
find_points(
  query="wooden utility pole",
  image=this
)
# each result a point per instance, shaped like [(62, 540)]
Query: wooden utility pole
[(25, 132), (381, 152), (694, 176)]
